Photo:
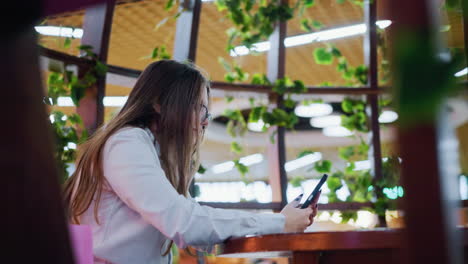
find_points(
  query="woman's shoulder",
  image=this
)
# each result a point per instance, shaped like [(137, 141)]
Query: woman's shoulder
[(130, 133)]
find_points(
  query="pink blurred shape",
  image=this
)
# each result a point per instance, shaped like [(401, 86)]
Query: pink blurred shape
[(82, 243)]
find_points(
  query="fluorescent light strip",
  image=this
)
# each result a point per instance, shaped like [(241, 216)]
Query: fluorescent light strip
[(461, 73), (303, 161), (60, 31), (364, 164), (324, 35), (229, 165), (111, 101)]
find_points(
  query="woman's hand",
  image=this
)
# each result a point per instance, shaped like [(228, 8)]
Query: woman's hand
[(297, 220)]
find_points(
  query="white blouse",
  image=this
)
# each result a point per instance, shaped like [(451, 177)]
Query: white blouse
[(140, 210)]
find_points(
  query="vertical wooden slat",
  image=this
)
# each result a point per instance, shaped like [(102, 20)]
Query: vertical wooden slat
[(97, 28), (370, 59), (185, 43), (276, 70), (34, 225), (423, 144), (465, 30)]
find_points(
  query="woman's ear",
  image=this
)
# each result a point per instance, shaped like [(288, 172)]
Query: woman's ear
[(157, 108)]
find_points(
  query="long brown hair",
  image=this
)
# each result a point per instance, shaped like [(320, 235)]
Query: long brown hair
[(176, 89)]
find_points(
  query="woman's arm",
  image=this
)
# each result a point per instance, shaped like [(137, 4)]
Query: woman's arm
[(134, 172)]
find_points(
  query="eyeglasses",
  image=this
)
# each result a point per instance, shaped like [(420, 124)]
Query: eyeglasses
[(205, 115)]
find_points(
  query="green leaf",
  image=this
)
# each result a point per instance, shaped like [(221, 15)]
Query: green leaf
[(305, 25), (340, 1), (323, 166), (230, 128), (322, 56), (361, 74), (252, 101), (75, 119), (236, 148), (101, 69), (299, 87), (346, 152), (317, 24), (241, 167), (201, 169), (169, 5), (155, 53), (334, 183), (347, 105), (77, 93), (289, 103), (67, 42), (309, 3), (336, 52), (86, 48), (229, 98), (230, 77), (305, 153), (256, 113), (348, 215)]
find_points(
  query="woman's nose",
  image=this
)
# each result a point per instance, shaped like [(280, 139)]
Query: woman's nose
[(205, 123)]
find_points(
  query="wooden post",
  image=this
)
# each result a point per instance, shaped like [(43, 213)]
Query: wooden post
[(424, 146), (465, 30), (370, 58), (96, 33), (34, 224), (185, 43), (276, 70)]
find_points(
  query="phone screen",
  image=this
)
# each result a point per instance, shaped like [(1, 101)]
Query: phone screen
[(314, 192)]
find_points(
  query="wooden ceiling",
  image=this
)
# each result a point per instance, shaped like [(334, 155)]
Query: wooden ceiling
[(134, 36)]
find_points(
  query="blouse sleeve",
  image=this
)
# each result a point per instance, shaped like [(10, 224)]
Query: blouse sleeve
[(133, 170)]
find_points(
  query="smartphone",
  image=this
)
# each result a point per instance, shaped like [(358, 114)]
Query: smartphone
[(314, 192)]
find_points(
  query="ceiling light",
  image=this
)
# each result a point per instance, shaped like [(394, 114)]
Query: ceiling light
[(223, 167), (229, 165), (68, 32), (313, 110), (388, 116), (382, 24), (364, 164), (111, 101), (256, 126), (324, 35), (325, 121), (251, 159), (336, 131), (461, 73), (303, 161)]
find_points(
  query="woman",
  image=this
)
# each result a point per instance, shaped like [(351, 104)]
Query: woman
[(133, 175)]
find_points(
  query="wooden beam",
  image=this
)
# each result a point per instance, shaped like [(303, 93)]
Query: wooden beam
[(35, 229), (185, 43), (370, 58), (53, 7), (96, 33), (277, 206), (276, 70)]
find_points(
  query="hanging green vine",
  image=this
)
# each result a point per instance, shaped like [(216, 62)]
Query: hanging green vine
[(69, 130)]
